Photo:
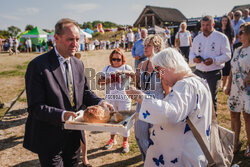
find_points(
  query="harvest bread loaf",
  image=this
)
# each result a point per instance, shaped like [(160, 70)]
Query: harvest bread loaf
[(97, 114), (118, 117)]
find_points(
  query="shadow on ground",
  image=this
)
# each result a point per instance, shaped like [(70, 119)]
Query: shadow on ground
[(10, 142), (32, 163), (103, 153), (125, 162), (10, 124)]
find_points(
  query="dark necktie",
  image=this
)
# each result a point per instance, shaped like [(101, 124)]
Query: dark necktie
[(69, 82)]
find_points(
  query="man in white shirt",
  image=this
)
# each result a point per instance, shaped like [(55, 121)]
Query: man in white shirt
[(131, 39), (28, 45), (210, 51)]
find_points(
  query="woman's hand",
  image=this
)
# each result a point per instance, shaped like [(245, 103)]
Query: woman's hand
[(127, 73), (135, 94), (227, 90)]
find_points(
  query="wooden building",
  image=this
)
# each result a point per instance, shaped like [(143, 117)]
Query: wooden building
[(160, 16), (241, 7)]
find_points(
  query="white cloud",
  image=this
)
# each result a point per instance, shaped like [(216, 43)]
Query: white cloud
[(81, 8), (11, 17), (29, 11)]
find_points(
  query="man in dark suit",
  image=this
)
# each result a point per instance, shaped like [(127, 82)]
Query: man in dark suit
[(56, 88)]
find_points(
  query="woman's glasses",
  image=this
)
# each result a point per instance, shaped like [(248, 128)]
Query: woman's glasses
[(157, 68), (241, 32), (114, 59)]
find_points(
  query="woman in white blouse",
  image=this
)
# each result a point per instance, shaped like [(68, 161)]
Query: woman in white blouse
[(183, 40), (171, 141)]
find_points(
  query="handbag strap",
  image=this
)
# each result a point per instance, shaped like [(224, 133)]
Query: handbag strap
[(201, 143), (199, 139), (238, 56)]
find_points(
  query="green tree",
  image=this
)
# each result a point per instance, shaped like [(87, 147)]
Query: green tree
[(13, 30), (108, 24), (4, 34), (29, 27), (87, 25), (80, 25)]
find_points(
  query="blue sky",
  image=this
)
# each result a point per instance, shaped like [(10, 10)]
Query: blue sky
[(45, 13)]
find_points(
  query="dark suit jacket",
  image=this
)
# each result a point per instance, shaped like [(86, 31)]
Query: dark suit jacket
[(48, 97)]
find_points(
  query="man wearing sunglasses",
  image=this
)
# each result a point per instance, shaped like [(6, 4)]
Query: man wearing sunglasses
[(236, 26)]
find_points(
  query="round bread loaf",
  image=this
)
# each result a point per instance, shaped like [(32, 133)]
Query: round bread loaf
[(96, 114)]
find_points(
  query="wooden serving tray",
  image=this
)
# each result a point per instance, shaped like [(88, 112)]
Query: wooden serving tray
[(112, 126)]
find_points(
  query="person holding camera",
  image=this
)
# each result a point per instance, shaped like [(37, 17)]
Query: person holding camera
[(210, 51)]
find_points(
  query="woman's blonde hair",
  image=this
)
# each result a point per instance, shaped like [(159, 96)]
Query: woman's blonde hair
[(156, 40)]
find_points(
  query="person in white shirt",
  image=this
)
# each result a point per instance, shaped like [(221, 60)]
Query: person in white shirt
[(16, 44), (184, 40), (131, 39), (28, 45), (210, 51), (116, 77), (172, 143), (10, 45)]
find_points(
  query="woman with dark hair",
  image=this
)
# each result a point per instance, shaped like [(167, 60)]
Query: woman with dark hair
[(227, 29)]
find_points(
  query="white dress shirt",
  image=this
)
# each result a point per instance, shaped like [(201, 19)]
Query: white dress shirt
[(63, 68), (215, 46)]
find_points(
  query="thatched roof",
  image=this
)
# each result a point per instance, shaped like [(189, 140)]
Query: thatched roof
[(241, 7), (162, 14)]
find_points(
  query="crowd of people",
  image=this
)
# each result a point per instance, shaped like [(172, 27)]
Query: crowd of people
[(167, 90)]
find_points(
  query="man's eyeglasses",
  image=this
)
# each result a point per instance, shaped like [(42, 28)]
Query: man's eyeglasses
[(114, 59), (236, 15), (241, 32)]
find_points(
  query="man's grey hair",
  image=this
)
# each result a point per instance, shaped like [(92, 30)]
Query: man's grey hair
[(170, 58)]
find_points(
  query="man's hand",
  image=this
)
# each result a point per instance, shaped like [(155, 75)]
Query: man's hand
[(67, 114), (107, 105), (137, 57), (208, 61), (197, 60)]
